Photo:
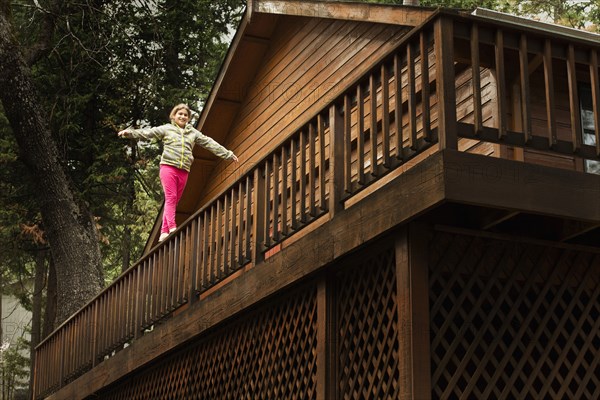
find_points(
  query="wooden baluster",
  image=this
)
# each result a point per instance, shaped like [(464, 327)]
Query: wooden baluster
[(284, 191), (576, 133), (412, 97), (226, 230), (373, 127), (293, 178), (267, 204), (445, 76), (476, 77), (549, 84), (194, 250), (217, 241), (385, 115), (398, 106), (347, 145), (302, 162), (337, 163), (213, 245), (233, 230), (240, 227), (321, 136), (312, 184), (425, 89), (360, 131), (258, 232), (501, 85), (525, 89), (257, 218), (276, 205)]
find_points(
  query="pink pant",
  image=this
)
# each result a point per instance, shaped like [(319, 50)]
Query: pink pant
[(173, 181)]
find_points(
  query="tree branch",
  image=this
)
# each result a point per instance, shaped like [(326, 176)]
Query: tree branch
[(43, 45)]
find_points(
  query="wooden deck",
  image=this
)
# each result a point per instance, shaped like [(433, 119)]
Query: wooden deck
[(408, 145)]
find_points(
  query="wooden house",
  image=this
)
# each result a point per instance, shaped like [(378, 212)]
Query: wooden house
[(416, 215)]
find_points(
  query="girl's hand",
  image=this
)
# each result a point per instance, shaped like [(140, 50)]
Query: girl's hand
[(234, 158), (124, 133)]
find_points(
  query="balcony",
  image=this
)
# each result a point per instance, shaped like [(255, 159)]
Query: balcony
[(470, 122)]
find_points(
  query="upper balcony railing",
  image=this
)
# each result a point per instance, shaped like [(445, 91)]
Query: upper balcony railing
[(454, 81)]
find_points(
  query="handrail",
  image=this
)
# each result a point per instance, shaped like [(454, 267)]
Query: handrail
[(404, 105)]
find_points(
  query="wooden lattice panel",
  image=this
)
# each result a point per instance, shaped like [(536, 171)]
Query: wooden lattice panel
[(513, 320), (368, 334), (269, 354)]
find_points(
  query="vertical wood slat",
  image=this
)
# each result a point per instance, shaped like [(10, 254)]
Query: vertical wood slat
[(373, 127), (425, 89), (398, 107), (347, 144), (226, 231), (549, 85), (193, 260), (212, 245), (312, 181), (258, 233), (249, 226), (241, 230), (235, 222), (267, 206), (573, 99), (337, 161), (476, 78), (385, 115), (171, 256), (302, 162), (205, 254), (284, 191), (595, 84), (501, 85), (321, 138), (276, 205), (412, 96), (217, 240), (525, 88), (293, 179), (444, 53), (360, 128)]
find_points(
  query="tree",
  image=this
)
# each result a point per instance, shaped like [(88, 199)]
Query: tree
[(69, 226)]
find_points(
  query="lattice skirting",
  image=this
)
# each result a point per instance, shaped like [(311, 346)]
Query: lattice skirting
[(513, 321), (271, 353)]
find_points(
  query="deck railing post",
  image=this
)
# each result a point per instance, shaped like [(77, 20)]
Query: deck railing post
[(336, 159), (444, 53), (258, 230)]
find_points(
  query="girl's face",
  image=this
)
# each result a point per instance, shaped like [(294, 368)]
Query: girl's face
[(182, 117)]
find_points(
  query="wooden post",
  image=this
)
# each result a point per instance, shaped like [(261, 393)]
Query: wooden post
[(444, 53), (412, 274), (327, 350), (336, 160)]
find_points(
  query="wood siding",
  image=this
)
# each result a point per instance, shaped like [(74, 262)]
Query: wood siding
[(309, 63)]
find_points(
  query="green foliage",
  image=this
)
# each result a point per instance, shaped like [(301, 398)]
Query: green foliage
[(14, 367)]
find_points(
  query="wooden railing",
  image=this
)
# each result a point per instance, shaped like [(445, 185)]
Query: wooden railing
[(403, 106)]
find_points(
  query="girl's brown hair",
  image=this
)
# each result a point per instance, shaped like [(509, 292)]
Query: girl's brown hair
[(179, 107)]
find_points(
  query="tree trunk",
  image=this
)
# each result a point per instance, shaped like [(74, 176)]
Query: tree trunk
[(50, 310), (36, 312), (70, 228)]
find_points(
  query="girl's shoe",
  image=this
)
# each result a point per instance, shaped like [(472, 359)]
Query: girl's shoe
[(163, 236)]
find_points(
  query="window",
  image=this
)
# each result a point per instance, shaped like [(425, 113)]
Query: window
[(587, 125)]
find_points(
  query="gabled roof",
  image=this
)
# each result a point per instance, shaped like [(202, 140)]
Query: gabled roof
[(253, 38)]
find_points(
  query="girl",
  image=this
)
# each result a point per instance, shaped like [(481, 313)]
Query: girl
[(178, 138)]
